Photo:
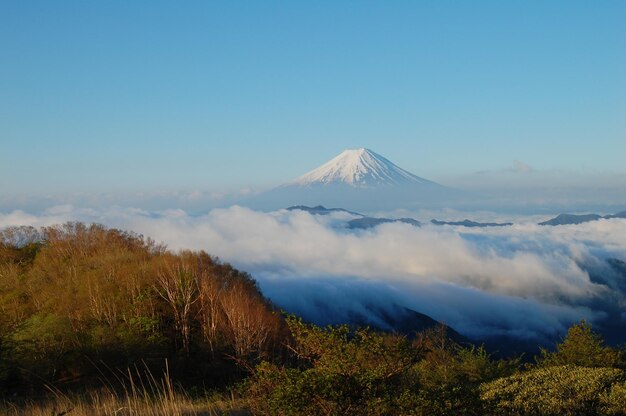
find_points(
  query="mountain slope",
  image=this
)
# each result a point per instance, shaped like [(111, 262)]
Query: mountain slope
[(321, 210), (361, 223), (359, 168), (470, 223), (358, 179), (618, 215), (401, 320), (371, 222), (570, 219)]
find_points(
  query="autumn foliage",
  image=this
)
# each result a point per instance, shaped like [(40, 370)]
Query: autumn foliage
[(77, 298)]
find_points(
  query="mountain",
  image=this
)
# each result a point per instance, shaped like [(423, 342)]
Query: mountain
[(365, 222), (402, 320), (470, 223), (569, 219), (360, 168), (360, 179), (321, 210), (618, 215), (361, 223), (370, 222), (389, 317)]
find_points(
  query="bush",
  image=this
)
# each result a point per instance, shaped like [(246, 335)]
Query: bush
[(450, 375), (558, 390), (359, 372), (337, 371), (42, 345), (613, 402)]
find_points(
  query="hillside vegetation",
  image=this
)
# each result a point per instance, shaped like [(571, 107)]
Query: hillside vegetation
[(101, 321), (76, 300)]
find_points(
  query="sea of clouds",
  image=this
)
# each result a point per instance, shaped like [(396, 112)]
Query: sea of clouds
[(525, 280)]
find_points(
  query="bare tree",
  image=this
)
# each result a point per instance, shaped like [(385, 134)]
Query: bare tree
[(178, 286), (250, 323), (211, 313)]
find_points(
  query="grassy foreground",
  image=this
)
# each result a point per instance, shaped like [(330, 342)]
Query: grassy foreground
[(106, 404), (140, 395)]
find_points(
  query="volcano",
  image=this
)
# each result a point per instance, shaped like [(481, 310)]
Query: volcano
[(359, 168), (358, 179)]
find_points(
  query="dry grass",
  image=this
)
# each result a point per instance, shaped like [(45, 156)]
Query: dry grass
[(141, 394)]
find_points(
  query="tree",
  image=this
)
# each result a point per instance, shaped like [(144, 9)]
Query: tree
[(251, 324), (211, 315), (581, 347), (178, 286)]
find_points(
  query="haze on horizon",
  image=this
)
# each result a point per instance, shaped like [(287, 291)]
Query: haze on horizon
[(127, 103), (363, 180)]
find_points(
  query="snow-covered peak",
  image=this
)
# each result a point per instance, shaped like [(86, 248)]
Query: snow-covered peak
[(360, 168)]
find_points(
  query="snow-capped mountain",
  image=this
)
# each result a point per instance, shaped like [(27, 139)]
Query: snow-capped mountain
[(358, 179), (359, 168)]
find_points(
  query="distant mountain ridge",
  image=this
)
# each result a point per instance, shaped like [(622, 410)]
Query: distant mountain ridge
[(370, 222), (365, 222), (571, 219), (321, 210), (470, 223)]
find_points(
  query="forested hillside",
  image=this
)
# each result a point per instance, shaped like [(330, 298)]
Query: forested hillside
[(77, 297)]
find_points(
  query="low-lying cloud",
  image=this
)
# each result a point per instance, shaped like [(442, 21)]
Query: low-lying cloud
[(524, 280)]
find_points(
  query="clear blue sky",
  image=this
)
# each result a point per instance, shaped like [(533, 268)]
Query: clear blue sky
[(128, 95)]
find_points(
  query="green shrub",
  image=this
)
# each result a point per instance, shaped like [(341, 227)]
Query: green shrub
[(359, 372), (559, 390), (450, 375), (613, 402), (338, 371)]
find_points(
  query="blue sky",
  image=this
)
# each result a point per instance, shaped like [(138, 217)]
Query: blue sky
[(108, 96)]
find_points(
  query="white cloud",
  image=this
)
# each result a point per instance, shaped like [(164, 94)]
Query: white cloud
[(525, 280)]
